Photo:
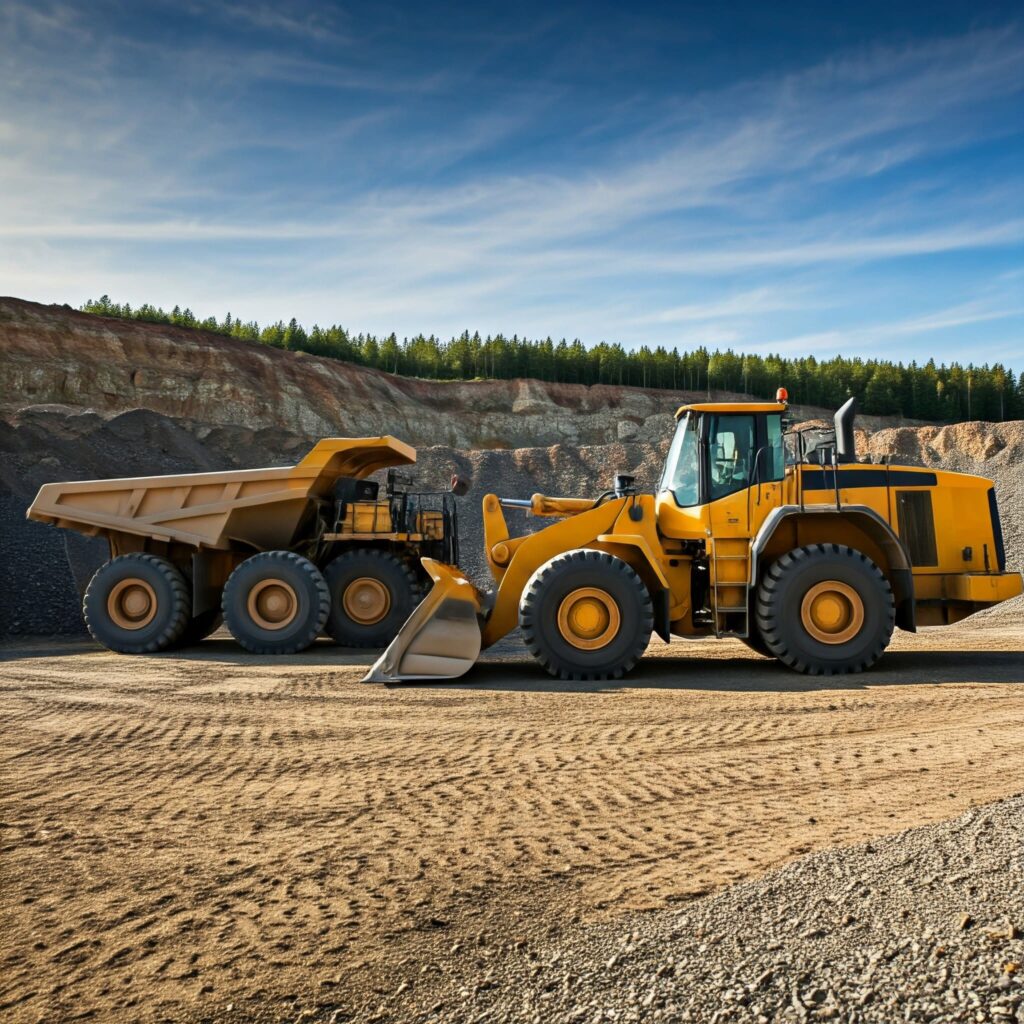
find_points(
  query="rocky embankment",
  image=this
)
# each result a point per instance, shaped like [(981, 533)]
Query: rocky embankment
[(83, 397), (53, 355)]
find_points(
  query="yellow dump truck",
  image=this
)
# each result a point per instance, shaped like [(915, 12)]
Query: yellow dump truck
[(782, 539), (282, 554)]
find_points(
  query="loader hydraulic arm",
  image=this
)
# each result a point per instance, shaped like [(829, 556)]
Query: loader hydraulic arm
[(499, 547), (542, 505)]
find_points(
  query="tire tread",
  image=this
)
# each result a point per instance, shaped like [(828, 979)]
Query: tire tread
[(181, 597), (322, 604), (770, 623)]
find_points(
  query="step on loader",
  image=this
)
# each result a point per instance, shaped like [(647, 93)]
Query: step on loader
[(780, 538)]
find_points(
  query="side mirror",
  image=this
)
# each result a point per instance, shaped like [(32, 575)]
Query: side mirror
[(459, 485)]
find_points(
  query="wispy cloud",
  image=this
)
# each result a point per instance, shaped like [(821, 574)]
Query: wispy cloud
[(754, 210), (888, 332), (315, 22)]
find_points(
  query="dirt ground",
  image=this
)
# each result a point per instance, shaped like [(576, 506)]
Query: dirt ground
[(211, 835)]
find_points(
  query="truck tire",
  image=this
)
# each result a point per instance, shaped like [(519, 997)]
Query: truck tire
[(275, 602), (137, 604), (200, 627), (372, 594), (586, 615), (826, 609)]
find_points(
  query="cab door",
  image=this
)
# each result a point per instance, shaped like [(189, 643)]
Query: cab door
[(770, 472), (730, 446)]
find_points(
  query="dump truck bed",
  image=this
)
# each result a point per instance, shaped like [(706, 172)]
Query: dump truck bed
[(257, 508)]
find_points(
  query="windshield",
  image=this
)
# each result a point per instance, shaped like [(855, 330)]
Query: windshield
[(682, 476)]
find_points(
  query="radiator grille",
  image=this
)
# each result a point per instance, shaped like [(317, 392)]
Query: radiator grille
[(917, 526)]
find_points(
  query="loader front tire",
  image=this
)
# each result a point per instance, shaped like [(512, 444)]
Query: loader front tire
[(372, 594), (137, 604), (586, 615), (275, 602), (825, 609)]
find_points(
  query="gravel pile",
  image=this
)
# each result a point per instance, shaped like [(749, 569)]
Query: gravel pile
[(925, 925)]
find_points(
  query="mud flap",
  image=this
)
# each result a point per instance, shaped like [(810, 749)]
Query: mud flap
[(441, 639)]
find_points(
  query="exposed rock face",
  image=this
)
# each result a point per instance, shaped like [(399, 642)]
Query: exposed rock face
[(87, 398), (54, 355)]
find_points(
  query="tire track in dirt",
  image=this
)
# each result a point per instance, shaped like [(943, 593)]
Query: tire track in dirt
[(187, 831)]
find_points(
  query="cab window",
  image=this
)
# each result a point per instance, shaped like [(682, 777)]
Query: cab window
[(731, 450)]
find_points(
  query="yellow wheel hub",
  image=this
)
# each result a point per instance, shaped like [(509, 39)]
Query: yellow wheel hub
[(272, 604), (832, 612), (366, 600), (132, 603), (589, 618)]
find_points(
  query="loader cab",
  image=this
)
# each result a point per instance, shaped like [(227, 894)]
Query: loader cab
[(719, 449)]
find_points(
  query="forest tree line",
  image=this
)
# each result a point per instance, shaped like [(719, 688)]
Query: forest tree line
[(928, 392)]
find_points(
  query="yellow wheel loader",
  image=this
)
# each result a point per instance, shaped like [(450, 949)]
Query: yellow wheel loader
[(779, 538), (279, 554)]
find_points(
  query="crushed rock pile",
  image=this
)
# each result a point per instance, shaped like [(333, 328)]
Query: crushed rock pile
[(924, 925)]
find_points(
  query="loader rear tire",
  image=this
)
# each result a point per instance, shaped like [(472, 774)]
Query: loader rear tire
[(137, 604), (826, 609), (275, 602), (372, 594), (586, 615)]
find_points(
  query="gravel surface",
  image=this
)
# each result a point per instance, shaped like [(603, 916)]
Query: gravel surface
[(924, 925)]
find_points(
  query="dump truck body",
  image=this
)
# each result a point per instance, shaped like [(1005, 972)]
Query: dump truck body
[(359, 545), (255, 508)]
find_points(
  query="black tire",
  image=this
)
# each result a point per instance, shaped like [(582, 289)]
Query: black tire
[(782, 594), (137, 604), (542, 602), (397, 580), (201, 626), (302, 589)]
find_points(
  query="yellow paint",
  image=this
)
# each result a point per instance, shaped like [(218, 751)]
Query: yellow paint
[(660, 544)]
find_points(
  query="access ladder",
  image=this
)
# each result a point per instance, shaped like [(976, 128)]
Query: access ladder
[(730, 586)]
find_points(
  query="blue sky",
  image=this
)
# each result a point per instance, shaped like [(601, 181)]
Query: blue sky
[(800, 178)]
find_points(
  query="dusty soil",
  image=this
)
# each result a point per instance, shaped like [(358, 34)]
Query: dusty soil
[(209, 835)]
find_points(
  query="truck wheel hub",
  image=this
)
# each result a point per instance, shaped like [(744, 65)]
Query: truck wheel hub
[(272, 604), (588, 618), (832, 612), (366, 600), (132, 603)]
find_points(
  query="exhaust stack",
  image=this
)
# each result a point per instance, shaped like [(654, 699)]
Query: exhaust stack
[(846, 446)]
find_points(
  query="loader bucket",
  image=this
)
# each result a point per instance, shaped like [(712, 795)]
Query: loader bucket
[(441, 639)]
